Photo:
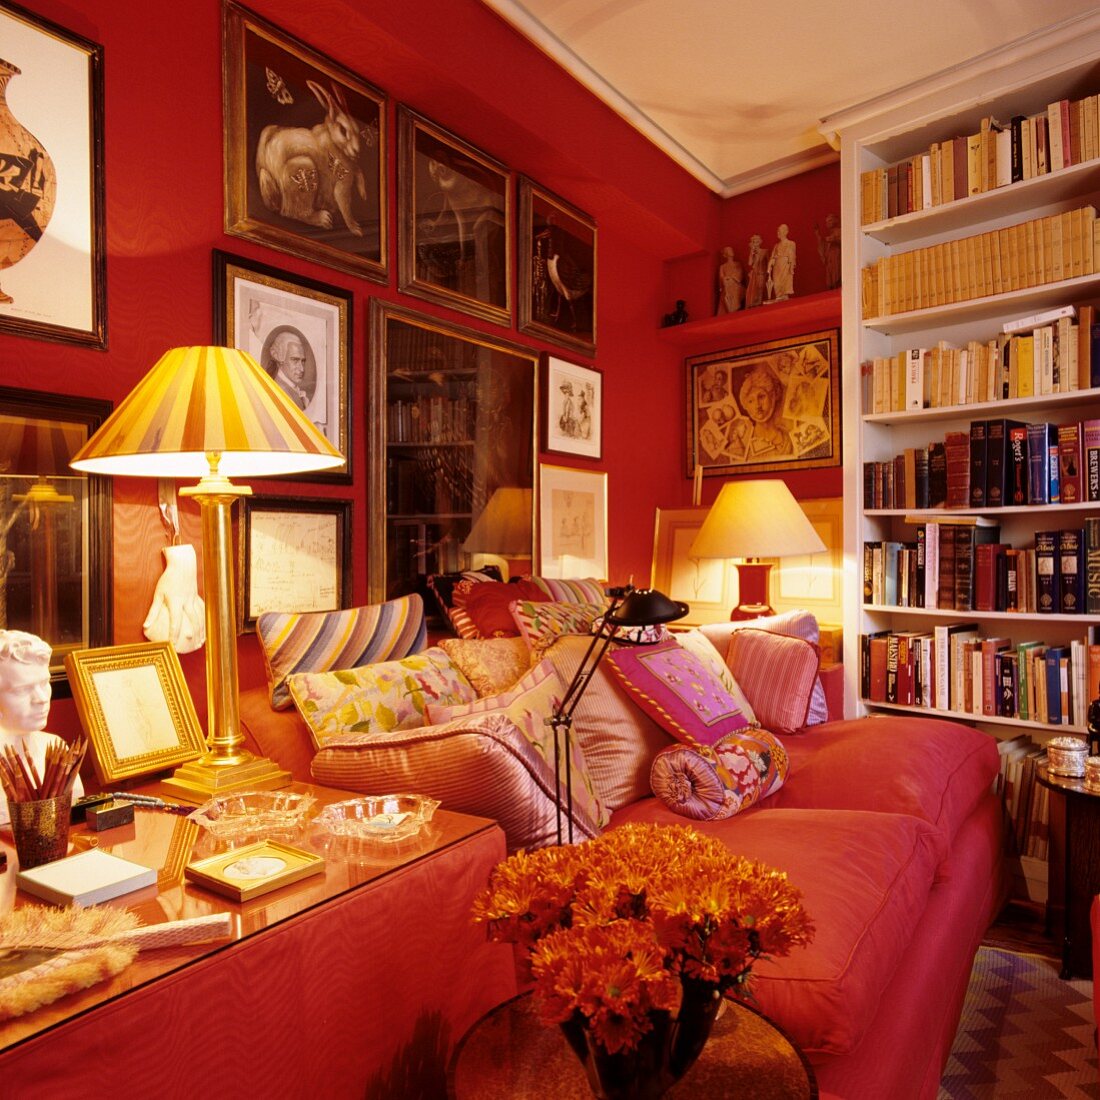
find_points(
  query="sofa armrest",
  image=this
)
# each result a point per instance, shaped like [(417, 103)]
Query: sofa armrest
[(832, 680)]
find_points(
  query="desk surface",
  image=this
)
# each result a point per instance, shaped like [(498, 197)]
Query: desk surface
[(168, 842), (509, 1055)]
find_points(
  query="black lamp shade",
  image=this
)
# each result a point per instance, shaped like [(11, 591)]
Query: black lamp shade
[(646, 607)]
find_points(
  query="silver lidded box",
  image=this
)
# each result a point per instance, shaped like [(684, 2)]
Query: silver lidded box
[(1066, 756)]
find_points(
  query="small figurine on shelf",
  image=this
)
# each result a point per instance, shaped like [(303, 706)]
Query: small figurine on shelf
[(758, 264), (781, 267), (677, 317), (731, 283), (828, 248)]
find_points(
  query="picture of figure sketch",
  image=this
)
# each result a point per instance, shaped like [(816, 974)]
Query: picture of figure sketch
[(776, 405), (573, 522), (573, 413)]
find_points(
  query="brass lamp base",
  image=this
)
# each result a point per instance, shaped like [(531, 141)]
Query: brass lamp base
[(202, 779)]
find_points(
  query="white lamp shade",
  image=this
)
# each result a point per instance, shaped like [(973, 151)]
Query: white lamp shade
[(755, 519)]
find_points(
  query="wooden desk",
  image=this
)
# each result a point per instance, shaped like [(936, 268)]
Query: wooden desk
[(355, 982), (1073, 864), (509, 1055)]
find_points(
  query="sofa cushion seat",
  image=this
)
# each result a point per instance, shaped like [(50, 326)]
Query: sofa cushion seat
[(865, 899)]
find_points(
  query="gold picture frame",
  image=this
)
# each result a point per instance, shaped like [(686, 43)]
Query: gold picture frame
[(246, 873), (135, 707), (814, 582), (572, 522), (707, 585)]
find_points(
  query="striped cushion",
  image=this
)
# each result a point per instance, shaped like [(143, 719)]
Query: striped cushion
[(777, 673), (529, 703), (795, 624), (443, 587), (318, 641), (576, 591), (480, 765)]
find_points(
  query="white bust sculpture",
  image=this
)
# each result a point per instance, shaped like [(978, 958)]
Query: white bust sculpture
[(25, 694)]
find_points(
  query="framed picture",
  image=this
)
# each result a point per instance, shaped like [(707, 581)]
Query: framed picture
[(767, 407), (557, 270), (456, 216), (134, 703), (305, 149), (255, 869), (55, 525), (53, 267), (300, 332), (572, 522), (707, 585), (573, 408), (814, 581), (295, 556)]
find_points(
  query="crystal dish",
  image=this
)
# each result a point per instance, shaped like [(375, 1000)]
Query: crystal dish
[(249, 815), (385, 817)]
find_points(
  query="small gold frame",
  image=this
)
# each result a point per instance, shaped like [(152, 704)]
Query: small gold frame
[(274, 865), (134, 703)]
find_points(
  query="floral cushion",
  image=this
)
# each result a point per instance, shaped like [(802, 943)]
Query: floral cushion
[(529, 703), (777, 673), (679, 691), (694, 641), (491, 664), (319, 641), (388, 696), (542, 624), (716, 781)]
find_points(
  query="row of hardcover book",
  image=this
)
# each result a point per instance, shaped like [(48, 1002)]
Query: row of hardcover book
[(997, 463), (1025, 802), (434, 419), (1061, 356), (1066, 133), (954, 668), (1030, 253), (964, 567)]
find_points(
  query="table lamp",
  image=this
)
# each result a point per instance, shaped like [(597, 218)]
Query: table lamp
[(503, 529), (629, 607), (212, 413), (755, 519)]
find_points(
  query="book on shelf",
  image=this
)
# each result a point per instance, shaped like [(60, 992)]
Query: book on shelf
[(1042, 446), (1090, 460), (957, 453), (1071, 570), (1049, 316), (978, 453), (85, 878), (1069, 463), (1048, 584), (1092, 566)]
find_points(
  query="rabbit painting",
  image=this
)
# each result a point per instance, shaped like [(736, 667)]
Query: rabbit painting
[(310, 174)]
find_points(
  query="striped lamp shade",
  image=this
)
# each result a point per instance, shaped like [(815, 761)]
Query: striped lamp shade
[(202, 401)]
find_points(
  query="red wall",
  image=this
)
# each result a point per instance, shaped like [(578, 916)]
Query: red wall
[(464, 67)]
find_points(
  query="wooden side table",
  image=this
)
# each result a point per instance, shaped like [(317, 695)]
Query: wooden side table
[(1074, 868), (508, 1055)]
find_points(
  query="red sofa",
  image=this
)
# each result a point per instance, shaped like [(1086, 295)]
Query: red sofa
[(890, 828)]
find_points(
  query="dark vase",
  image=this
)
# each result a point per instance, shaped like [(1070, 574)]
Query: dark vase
[(663, 1055)]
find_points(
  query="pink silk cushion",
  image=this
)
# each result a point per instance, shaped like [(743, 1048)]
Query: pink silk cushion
[(680, 692), (715, 781), (866, 900), (777, 673)]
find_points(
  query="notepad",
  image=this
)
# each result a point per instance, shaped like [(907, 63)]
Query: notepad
[(85, 878)]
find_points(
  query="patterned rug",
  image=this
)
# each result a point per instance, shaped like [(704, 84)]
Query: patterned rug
[(1024, 1033)]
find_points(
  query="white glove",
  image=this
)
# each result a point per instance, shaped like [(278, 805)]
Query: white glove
[(177, 614)]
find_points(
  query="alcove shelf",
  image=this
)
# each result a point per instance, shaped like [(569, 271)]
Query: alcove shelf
[(805, 314)]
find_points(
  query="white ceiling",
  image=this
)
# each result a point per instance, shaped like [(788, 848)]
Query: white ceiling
[(734, 90)]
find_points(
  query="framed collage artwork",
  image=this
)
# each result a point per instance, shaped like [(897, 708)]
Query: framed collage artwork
[(456, 217), (305, 149), (557, 270), (300, 332), (572, 408), (768, 407), (572, 522), (53, 267)]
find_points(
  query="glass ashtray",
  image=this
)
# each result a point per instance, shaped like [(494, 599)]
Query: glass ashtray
[(385, 817), (251, 815)]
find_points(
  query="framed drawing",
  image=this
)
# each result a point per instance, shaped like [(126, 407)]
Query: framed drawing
[(133, 702), (305, 149), (767, 407), (557, 270), (814, 581), (573, 404), (295, 556), (572, 522), (55, 525), (707, 585), (53, 267), (300, 332), (456, 216)]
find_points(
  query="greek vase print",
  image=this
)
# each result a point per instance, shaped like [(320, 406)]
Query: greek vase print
[(28, 184)]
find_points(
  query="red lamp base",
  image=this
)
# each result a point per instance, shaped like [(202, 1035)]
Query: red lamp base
[(752, 582)]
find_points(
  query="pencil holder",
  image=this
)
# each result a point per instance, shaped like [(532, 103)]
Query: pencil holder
[(41, 829)]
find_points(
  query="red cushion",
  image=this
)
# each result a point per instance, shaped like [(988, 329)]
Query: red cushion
[(487, 605), (865, 880)]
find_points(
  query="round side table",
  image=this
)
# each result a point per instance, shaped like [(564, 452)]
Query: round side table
[(509, 1055)]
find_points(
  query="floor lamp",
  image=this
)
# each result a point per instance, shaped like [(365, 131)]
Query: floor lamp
[(212, 413), (754, 520)]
